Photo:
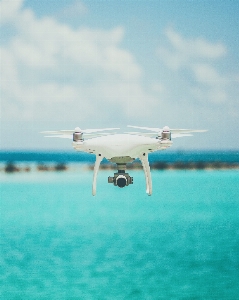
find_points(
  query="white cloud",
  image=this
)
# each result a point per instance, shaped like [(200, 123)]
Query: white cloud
[(195, 47), (206, 74), (74, 9), (9, 9), (50, 69), (46, 43), (194, 59), (184, 53)]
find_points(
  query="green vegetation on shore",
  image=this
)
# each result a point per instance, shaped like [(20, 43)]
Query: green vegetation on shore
[(12, 167)]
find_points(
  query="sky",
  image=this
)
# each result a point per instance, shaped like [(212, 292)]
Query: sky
[(108, 63)]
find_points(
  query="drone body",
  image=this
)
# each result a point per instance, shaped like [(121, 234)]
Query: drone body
[(122, 148)]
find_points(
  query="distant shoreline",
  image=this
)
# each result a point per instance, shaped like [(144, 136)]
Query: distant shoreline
[(12, 167), (44, 161)]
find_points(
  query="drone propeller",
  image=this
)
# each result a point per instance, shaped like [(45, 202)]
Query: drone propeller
[(65, 136), (77, 129), (68, 134), (173, 131), (151, 134)]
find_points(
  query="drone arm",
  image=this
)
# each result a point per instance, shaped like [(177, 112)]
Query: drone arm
[(146, 168), (99, 158)]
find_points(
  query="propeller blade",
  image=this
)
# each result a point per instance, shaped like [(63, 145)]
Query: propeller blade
[(142, 133), (178, 135), (58, 132), (59, 136), (98, 130), (92, 135), (146, 128), (182, 131), (174, 135), (177, 131), (85, 131), (70, 136)]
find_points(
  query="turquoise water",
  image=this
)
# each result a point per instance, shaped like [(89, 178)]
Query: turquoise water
[(59, 242)]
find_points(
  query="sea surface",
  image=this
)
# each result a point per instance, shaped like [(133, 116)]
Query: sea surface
[(59, 242)]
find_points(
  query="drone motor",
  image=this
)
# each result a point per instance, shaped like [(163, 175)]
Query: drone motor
[(166, 134), (77, 136)]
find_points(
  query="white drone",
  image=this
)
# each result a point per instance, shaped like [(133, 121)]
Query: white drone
[(122, 148)]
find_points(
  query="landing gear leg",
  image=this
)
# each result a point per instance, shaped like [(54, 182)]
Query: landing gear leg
[(99, 158), (145, 164)]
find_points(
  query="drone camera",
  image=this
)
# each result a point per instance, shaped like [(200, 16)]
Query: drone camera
[(120, 179)]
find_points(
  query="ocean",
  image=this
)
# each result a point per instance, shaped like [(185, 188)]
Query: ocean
[(59, 242)]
